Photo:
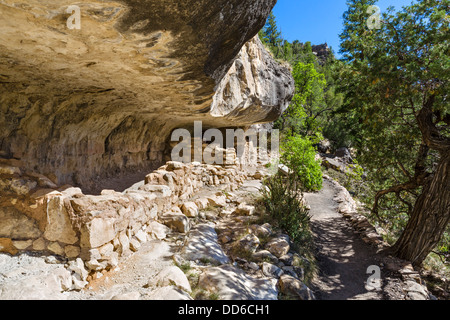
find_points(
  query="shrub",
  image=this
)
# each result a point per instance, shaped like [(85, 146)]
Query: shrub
[(299, 155), (282, 197)]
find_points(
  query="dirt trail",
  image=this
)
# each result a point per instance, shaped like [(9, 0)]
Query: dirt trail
[(343, 257)]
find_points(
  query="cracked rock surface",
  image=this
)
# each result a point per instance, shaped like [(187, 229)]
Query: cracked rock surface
[(83, 106)]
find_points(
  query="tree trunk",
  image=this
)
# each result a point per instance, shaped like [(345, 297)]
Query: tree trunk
[(430, 217)]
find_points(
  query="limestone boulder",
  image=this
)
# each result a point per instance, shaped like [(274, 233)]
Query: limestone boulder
[(202, 243), (176, 220), (168, 293), (249, 243), (97, 232), (232, 283), (279, 246), (172, 276), (190, 209), (16, 225), (245, 210), (294, 288), (59, 226)]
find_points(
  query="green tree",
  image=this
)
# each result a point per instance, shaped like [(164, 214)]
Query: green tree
[(396, 83), (299, 154), (309, 86), (270, 35)]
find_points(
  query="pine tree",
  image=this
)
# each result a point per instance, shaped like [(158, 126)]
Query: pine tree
[(270, 34)]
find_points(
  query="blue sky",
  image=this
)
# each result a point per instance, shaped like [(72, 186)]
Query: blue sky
[(318, 21)]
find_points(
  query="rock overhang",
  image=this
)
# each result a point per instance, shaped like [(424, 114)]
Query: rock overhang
[(85, 104)]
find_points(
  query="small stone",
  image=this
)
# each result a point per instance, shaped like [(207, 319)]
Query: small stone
[(93, 264), (202, 203), (169, 293), (225, 213), (279, 246), (253, 266), (51, 260), (55, 248), (190, 209), (262, 231), (77, 266), (141, 236), (78, 283), (39, 244), (134, 244), (287, 259), (265, 255), (113, 260), (127, 296), (106, 250), (290, 271), (94, 254), (416, 291), (249, 243), (172, 276), (71, 251), (174, 165), (217, 201), (157, 230), (270, 270), (211, 216), (176, 221), (22, 245), (245, 210), (224, 239), (295, 288)]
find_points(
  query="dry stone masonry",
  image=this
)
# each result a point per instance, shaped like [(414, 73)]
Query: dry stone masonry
[(101, 229)]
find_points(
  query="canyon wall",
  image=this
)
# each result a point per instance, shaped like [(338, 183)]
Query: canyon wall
[(83, 106)]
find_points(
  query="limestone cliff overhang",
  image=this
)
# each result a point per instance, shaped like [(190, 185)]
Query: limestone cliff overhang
[(91, 103)]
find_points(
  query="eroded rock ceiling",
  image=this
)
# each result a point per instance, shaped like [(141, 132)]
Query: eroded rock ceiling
[(81, 105)]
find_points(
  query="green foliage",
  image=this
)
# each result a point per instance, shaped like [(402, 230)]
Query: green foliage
[(308, 102), (270, 35), (354, 173), (299, 155), (390, 75), (312, 110), (283, 200)]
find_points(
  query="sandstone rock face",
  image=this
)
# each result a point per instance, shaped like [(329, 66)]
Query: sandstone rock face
[(84, 105)]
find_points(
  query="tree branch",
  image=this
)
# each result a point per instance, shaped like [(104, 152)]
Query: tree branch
[(420, 176), (431, 135)]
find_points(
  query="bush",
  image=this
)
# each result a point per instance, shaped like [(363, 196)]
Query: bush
[(282, 197), (299, 155)]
